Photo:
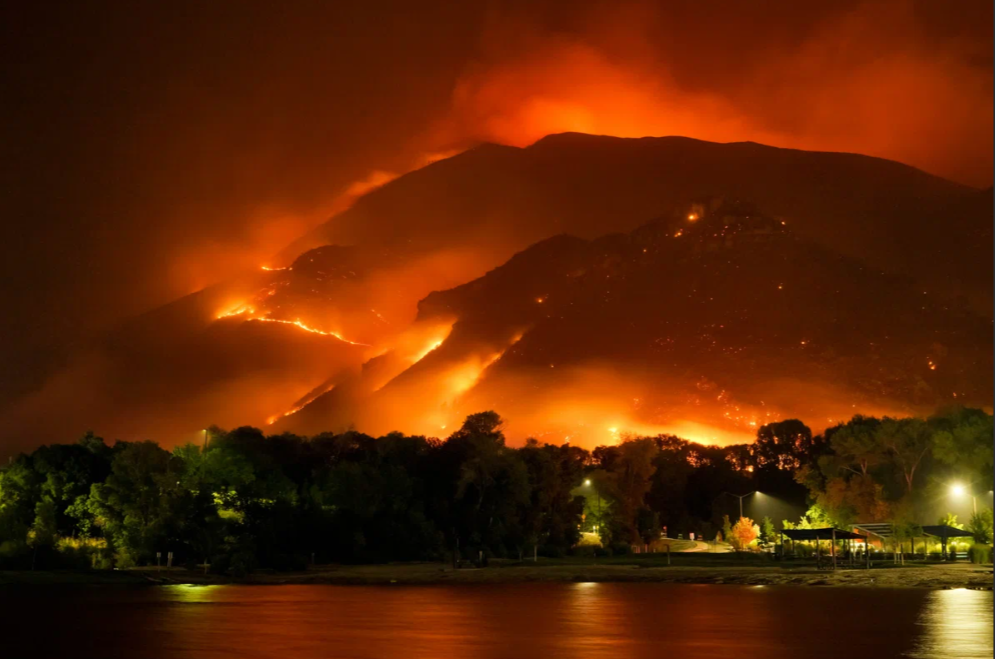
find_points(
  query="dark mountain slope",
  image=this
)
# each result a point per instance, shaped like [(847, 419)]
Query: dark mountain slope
[(501, 199), (708, 329)]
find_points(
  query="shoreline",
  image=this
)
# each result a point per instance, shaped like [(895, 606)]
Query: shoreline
[(934, 577)]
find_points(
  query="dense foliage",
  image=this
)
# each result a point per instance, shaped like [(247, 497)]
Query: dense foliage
[(245, 500)]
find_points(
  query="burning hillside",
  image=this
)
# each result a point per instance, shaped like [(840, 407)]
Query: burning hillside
[(707, 324)]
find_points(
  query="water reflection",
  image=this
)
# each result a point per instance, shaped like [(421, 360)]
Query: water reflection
[(957, 623), (575, 621)]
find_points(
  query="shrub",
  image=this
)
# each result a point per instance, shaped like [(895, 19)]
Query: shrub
[(603, 552), (589, 539), (980, 554), (14, 555), (621, 548), (81, 553), (585, 551), (242, 563), (551, 551)]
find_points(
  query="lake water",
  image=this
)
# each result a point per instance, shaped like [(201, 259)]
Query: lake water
[(579, 621)]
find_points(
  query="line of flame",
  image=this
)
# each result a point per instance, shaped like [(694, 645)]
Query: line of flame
[(297, 408), (244, 309), (307, 328)]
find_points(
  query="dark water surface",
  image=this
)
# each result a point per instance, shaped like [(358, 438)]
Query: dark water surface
[(579, 621)]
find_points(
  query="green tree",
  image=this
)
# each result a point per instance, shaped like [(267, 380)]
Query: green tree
[(768, 534), (963, 439), (133, 505), (908, 442), (486, 483), (553, 513), (647, 525), (981, 526), (628, 484), (784, 445), (856, 446), (950, 519), (726, 528)]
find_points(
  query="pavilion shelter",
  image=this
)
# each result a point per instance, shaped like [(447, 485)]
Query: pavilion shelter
[(830, 534)]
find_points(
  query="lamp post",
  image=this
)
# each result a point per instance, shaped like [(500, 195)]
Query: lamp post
[(587, 483), (741, 497), (959, 490)]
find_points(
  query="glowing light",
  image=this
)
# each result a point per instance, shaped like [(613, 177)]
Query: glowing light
[(249, 309), (301, 404), (237, 311), (307, 328), (587, 481), (269, 269), (680, 232), (957, 490), (432, 346), (692, 217)]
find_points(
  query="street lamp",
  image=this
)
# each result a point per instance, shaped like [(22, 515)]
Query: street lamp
[(959, 490), (741, 497), (587, 483)]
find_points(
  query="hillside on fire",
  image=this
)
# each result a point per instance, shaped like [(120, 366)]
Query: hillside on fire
[(583, 287)]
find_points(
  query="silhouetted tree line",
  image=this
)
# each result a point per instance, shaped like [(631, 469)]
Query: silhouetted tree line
[(245, 501)]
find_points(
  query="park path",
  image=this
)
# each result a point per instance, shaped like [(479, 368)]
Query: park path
[(700, 546)]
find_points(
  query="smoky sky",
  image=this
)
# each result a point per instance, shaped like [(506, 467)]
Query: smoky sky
[(151, 149)]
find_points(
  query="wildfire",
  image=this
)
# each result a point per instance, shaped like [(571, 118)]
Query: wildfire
[(307, 328), (301, 404), (432, 346), (244, 309), (269, 269), (237, 311)]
